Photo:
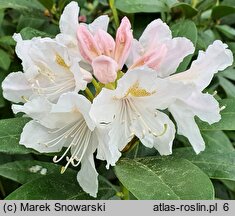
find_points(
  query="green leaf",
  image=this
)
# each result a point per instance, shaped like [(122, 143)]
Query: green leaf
[(5, 60), (217, 141), (215, 165), (10, 130), (7, 40), (227, 121), (47, 3), (59, 187), (205, 38), (26, 21), (188, 29), (229, 73), (187, 9), (28, 5), (150, 6), (2, 100), (221, 11), (163, 178), (28, 33), (24, 171), (205, 4), (229, 184), (228, 87), (227, 31)]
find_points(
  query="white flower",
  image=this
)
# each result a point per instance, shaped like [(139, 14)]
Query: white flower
[(203, 105), (158, 50), (64, 124), (68, 27), (48, 71), (131, 109)]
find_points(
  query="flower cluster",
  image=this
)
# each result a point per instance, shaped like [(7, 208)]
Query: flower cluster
[(53, 91)]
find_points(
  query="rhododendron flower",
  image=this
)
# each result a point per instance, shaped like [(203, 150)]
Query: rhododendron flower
[(69, 24), (104, 54), (216, 58), (131, 109), (66, 124), (158, 50), (136, 103), (48, 71)]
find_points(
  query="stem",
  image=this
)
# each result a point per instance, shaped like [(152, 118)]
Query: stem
[(96, 85), (2, 189), (194, 3), (125, 193), (89, 94), (114, 11)]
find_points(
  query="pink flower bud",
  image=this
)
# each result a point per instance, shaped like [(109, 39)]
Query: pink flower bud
[(105, 69), (105, 42), (87, 44), (124, 39)]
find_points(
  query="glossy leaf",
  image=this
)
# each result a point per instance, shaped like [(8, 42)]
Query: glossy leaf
[(28, 5), (47, 3), (29, 33), (10, 130), (221, 11), (217, 141), (163, 178), (187, 9), (215, 165), (150, 6), (227, 31), (228, 86), (58, 186), (5, 60), (25, 171)]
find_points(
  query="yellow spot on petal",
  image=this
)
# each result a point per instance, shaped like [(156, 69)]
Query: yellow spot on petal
[(60, 61), (136, 91)]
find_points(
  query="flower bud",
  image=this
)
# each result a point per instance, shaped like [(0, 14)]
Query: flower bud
[(124, 39), (105, 69), (87, 44)]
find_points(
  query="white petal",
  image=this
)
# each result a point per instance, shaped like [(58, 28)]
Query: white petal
[(120, 134), (105, 151), (16, 87), (74, 104), (145, 77), (81, 76), (187, 126), (202, 70), (100, 22), (69, 19), (177, 50), (36, 108), (87, 177), (154, 128), (22, 50), (167, 91), (205, 106), (104, 107), (36, 136), (39, 109), (155, 34)]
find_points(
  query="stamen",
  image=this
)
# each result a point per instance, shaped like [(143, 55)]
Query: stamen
[(222, 108), (24, 98), (214, 93), (60, 61), (132, 106)]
